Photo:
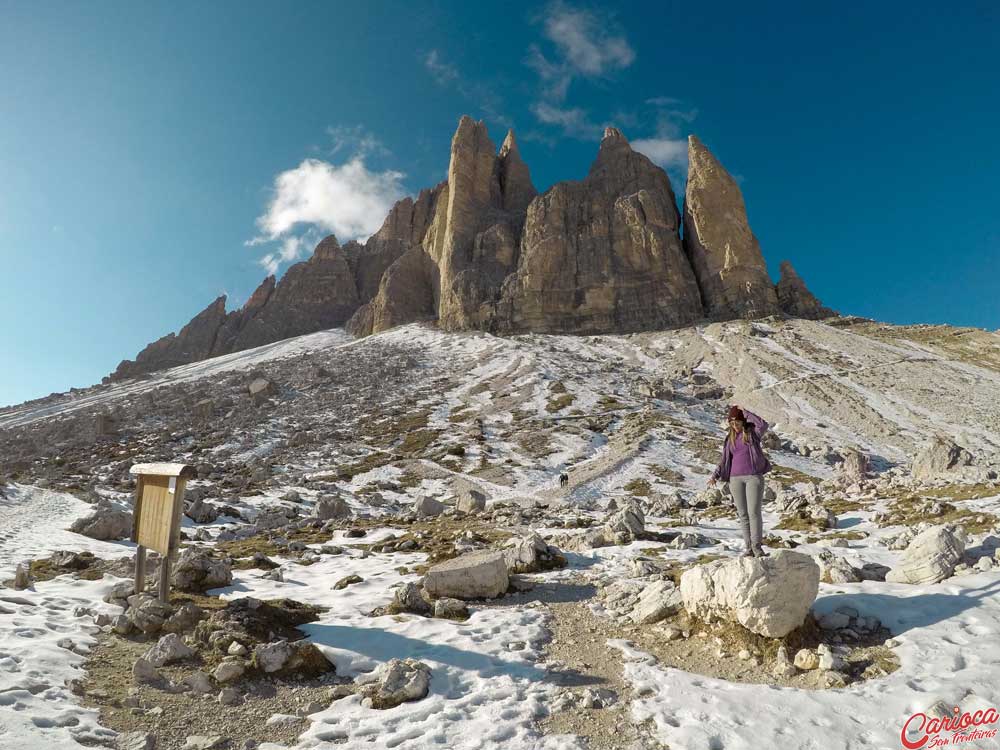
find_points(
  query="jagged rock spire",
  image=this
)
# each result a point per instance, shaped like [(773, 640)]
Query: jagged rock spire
[(515, 178), (724, 252), (795, 298)]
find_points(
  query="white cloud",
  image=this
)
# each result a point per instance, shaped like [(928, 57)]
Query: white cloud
[(669, 153), (478, 93), (355, 139), (316, 198), (668, 145), (585, 42), (443, 72), (573, 120)]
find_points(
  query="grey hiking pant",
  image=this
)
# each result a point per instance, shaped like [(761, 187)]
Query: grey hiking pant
[(748, 493)]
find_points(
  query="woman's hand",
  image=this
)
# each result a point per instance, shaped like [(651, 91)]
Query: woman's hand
[(711, 482)]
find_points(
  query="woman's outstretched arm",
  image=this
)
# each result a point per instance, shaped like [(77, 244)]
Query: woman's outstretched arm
[(759, 424)]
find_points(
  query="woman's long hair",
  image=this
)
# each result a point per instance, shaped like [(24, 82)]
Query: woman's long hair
[(747, 433)]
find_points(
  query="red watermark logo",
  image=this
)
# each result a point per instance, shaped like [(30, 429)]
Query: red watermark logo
[(922, 731)]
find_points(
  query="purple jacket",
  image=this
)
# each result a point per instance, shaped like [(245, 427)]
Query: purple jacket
[(758, 461)]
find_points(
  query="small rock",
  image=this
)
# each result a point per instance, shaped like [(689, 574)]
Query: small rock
[(145, 673), (199, 683), (229, 670), (451, 609), (22, 579), (271, 657), (806, 659), (834, 621), (426, 507), (350, 580), (169, 649), (135, 741), (828, 660), (782, 667), (204, 742), (229, 696), (398, 681)]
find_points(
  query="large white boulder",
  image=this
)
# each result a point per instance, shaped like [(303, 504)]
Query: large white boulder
[(331, 507), (427, 507), (470, 501), (530, 554), (105, 523), (930, 557), (197, 570), (626, 525), (770, 596), (939, 456), (477, 575)]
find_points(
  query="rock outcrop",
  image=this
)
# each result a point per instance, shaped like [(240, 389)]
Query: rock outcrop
[(717, 238), (476, 575), (769, 596), (483, 250), (939, 456), (795, 299), (194, 342), (603, 254), (930, 557)]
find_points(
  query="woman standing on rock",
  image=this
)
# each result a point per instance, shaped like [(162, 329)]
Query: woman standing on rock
[(743, 465)]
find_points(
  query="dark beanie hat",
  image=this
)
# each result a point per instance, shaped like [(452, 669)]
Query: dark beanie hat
[(736, 413)]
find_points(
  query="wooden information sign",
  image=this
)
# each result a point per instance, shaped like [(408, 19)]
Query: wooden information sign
[(156, 518)]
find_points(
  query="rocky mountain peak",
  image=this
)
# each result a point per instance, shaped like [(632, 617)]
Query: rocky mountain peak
[(718, 241), (795, 298), (509, 145), (261, 294), (483, 250), (327, 248), (514, 177)]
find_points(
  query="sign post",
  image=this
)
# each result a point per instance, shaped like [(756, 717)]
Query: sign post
[(156, 518)]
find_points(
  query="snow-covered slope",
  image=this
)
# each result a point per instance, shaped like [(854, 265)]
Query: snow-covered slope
[(415, 412)]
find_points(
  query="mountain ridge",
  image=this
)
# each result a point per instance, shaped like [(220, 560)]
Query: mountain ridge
[(483, 250)]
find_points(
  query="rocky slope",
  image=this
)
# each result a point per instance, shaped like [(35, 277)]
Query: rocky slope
[(483, 250), (336, 473)]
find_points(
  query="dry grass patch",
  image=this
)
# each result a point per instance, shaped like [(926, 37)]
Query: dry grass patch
[(800, 521), (959, 492), (639, 487), (560, 402), (786, 476), (665, 474), (843, 505), (912, 509), (850, 536), (417, 442)]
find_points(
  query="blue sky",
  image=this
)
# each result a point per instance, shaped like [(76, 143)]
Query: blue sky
[(154, 156)]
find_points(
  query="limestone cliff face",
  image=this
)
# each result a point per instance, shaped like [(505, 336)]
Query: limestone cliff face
[(312, 295), (603, 254), (475, 204), (403, 228), (483, 250), (795, 298), (717, 238), (194, 342)]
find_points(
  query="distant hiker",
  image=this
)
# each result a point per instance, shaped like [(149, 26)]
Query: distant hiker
[(563, 480), (743, 465)]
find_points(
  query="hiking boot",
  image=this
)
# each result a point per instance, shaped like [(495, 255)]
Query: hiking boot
[(759, 552), (748, 553)]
